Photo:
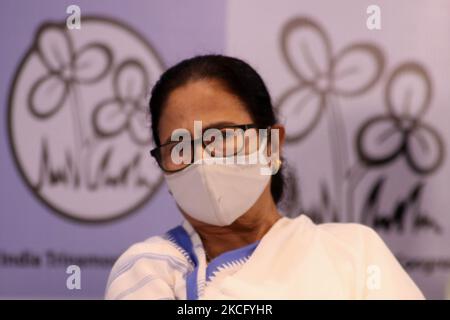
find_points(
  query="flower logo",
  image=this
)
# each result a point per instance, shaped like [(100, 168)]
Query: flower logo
[(77, 119), (321, 74), (65, 67), (125, 111), (402, 130)]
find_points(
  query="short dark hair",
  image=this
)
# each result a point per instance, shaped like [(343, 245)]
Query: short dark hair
[(237, 76)]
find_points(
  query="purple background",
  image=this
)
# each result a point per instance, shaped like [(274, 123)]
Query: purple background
[(415, 30), (176, 30)]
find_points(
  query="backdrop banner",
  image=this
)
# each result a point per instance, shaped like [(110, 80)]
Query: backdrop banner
[(366, 115), (78, 185)]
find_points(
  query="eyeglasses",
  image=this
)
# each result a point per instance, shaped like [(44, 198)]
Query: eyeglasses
[(223, 142)]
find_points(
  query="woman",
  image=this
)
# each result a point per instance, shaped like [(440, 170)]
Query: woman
[(234, 243)]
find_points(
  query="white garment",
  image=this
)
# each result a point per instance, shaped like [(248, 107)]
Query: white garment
[(296, 259)]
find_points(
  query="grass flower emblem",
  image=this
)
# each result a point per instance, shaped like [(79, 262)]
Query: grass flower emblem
[(126, 111), (322, 75), (66, 67), (402, 130)]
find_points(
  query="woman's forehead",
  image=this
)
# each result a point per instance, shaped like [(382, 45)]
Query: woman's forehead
[(203, 100)]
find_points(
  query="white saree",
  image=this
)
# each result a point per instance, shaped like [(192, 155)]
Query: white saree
[(296, 259)]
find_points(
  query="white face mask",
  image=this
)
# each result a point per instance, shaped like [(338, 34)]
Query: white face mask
[(215, 193)]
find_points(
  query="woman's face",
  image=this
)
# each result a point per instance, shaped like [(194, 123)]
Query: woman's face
[(209, 102), (201, 100)]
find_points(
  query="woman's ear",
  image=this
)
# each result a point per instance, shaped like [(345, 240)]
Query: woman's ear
[(281, 134), (274, 147)]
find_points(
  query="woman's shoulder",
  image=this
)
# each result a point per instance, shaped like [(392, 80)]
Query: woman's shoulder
[(154, 248), (353, 236), (350, 232), (156, 256), (360, 251), (149, 268)]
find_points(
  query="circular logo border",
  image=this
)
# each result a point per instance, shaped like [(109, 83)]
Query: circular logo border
[(9, 125)]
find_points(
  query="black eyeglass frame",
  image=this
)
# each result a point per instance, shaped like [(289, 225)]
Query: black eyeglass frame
[(156, 153)]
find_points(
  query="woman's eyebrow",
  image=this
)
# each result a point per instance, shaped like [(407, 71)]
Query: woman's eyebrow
[(220, 124), (168, 140), (213, 125)]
